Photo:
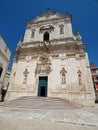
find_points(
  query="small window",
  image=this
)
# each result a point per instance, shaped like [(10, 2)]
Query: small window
[(46, 36), (1, 69)]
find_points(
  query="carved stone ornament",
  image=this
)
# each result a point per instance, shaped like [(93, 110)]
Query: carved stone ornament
[(82, 55), (44, 59), (49, 28), (43, 65), (32, 33), (79, 77), (70, 54), (78, 37), (55, 55), (79, 71), (25, 73), (63, 75), (21, 57), (61, 29), (34, 57)]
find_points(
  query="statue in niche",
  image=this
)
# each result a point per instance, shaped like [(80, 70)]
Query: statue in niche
[(80, 77), (80, 80), (63, 75), (61, 29), (63, 78), (32, 34), (44, 59), (25, 76)]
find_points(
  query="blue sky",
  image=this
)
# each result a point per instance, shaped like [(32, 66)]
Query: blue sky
[(15, 13)]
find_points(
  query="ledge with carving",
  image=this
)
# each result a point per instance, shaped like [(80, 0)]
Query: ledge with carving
[(66, 40), (23, 57), (71, 54), (71, 39), (75, 54), (82, 54), (62, 41), (71, 49), (49, 28), (40, 71)]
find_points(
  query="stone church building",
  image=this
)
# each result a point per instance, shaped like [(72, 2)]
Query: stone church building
[(51, 61)]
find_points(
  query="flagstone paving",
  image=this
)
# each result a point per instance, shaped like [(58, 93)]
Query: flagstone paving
[(69, 117)]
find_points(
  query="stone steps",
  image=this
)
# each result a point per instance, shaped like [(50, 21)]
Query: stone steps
[(39, 103)]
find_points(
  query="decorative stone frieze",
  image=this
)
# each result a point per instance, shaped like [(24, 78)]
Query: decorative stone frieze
[(70, 54), (34, 57), (49, 28), (21, 58), (55, 55), (43, 65), (82, 55)]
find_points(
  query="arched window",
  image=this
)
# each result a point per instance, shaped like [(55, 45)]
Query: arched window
[(46, 36), (1, 69)]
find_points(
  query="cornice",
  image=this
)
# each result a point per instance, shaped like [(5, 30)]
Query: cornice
[(48, 21), (51, 48), (65, 40)]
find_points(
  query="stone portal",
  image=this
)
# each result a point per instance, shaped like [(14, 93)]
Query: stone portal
[(42, 86)]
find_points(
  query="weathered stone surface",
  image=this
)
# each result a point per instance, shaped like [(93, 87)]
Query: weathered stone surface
[(12, 118), (52, 48), (4, 61)]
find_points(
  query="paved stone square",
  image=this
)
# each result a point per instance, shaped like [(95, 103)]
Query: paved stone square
[(14, 118)]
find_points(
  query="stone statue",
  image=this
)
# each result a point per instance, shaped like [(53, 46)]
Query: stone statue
[(61, 29), (80, 77), (25, 76), (63, 75), (32, 34)]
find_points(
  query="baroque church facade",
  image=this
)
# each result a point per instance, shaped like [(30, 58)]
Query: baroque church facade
[(51, 61)]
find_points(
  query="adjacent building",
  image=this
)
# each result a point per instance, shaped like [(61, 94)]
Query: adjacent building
[(94, 71), (51, 61), (4, 61), (7, 79)]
